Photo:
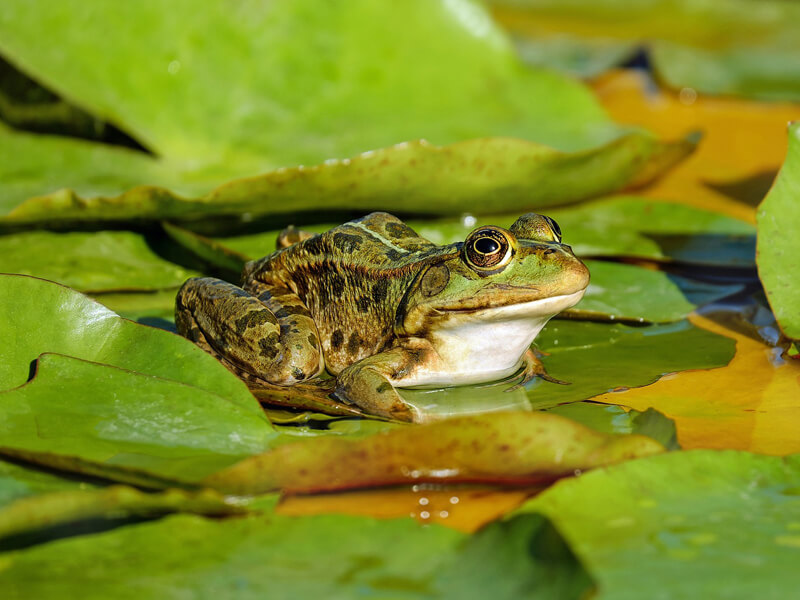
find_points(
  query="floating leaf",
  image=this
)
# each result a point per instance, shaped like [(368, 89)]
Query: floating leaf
[(681, 521), (597, 357), (750, 405), (106, 414), (115, 502), (17, 481), (302, 82), (281, 109), (310, 557), (778, 244), (38, 316), (100, 261), (743, 145), (501, 174), (508, 447), (730, 48)]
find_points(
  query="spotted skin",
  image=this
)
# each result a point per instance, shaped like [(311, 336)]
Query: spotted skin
[(368, 301)]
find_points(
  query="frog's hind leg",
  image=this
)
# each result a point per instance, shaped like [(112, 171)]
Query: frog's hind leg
[(263, 333)]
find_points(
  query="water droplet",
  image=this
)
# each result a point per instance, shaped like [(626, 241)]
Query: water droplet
[(444, 514), (173, 67), (687, 96), (454, 500), (423, 501), (468, 221), (424, 515)]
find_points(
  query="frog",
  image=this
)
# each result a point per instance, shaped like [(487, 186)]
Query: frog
[(380, 308)]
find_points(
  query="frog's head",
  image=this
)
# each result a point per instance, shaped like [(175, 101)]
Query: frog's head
[(524, 274)]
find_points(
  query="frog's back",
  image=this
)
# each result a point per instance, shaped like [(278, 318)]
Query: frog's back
[(351, 278)]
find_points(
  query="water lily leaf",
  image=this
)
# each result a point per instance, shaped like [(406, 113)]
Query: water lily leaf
[(156, 308), (751, 404), (302, 557), (743, 145), (44, 511), (596, 358), (105, 414), (495, 448), (38, 316), (100, 261), (504, 174), (730, 48), (302, 82), (680, 521), (616, 419), (281, 109), (629, 292), (778, 245), (17, 481)]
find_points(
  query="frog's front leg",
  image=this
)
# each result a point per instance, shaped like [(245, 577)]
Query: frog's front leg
[(370, 382), (264, 330), (533, 367)]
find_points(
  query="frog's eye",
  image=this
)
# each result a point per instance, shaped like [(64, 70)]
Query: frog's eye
[(554, 228), (488, 248), (538, 228)]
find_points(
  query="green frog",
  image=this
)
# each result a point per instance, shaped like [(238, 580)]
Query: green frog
[(380, 307)]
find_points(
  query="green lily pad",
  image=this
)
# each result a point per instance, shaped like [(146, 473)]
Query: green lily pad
[(100, 261), (729, 48), (44, 511), (335, 557), (696, 524), (615, 419), (596, 358), (155, 308), (38, 316), (503, 447), (17, 481), (109, 415), (778, 255), (628, 292), (496, 173), (295, 82)]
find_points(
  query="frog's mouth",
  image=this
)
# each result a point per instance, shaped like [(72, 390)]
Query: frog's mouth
[(517, 308)]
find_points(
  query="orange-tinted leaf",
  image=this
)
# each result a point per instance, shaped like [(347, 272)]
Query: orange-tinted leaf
[(462, 509), (502, 448), (742, 148), (752, 404)]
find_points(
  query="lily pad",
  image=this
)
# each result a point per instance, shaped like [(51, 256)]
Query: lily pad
[(482, 175), (601, 357), (506, 447), (680, 522), (294, 83), (100, 261), (18, 481), (105, 414), (38, 316), (45, 511), (336, 557), (778, 245)]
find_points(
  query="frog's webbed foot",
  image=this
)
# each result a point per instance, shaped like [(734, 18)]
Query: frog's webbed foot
[(533, 367), (368, 384), (262, 333)]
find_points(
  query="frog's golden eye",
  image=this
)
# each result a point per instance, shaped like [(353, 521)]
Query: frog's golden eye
[(488, 248)]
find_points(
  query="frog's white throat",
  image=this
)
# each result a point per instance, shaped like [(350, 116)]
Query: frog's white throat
[(486, 345)]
